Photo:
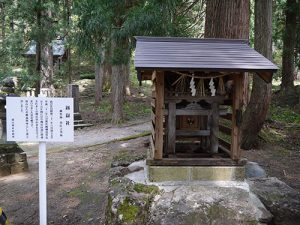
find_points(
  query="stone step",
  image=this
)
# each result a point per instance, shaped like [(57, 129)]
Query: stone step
[(78, 122), (77, 116), (79, 126)]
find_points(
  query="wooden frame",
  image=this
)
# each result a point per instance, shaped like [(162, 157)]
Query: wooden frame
[(163, 139), (159, 83), (237, 105)]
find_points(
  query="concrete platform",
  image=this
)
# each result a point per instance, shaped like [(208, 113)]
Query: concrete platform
[(195, 173)]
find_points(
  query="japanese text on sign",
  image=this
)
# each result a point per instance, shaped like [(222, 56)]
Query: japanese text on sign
[(39, 119)]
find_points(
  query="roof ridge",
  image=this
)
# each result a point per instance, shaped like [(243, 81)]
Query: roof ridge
[(189, 39)]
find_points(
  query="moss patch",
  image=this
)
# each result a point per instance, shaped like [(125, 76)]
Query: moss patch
[(127, 157), (128, 211), (143, 134), (147, 189)]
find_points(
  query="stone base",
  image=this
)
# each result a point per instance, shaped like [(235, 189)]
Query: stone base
[(195, 173), (11, 163)]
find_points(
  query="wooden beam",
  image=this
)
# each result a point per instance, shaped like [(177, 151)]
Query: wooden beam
[(225, 129), (222, 148), (266, 76), (214, 128), (224, 143), (146, 75), (153, 75), (227, 116), (209, 99), (159, 114), (236, 110), (192, 133), (171, 128)]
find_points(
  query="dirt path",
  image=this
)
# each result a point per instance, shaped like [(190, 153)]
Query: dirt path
[(77, 178), (92, 136)]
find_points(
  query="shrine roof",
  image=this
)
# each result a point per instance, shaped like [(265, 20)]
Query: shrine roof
[(176, 53), (57, 45)]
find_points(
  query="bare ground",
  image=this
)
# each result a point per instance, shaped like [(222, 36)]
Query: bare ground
[(77, 183), (280, 155)]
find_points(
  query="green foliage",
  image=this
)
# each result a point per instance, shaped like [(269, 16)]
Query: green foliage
[(87, 76), (284, 114), (105, 106), (100, 22), (136, 109), (22, 27)]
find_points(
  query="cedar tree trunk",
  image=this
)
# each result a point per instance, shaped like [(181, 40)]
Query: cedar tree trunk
[(227, 19), (99, 70), (127, 80), (117, 87), (257, 109), (47, 66), (2, 13), (289, 45), (38, 52)]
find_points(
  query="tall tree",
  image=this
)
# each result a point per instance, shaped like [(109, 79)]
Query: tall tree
[(111, 25), (289, 44), (2, 13), (257, 108), (227, 19)]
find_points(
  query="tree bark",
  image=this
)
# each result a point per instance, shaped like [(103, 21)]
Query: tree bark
[(47, 66), (227, 19), (2, 12), (99, 70), (117, 84), (38, 52), (289, 45), (127, 91), (120, 59), (257, 109), (68, 18), (38, 68), (107, 71)]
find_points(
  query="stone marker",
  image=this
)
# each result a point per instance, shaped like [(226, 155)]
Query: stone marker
[(12, 158)]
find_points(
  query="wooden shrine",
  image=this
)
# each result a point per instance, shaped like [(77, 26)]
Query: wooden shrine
[(199, 90)]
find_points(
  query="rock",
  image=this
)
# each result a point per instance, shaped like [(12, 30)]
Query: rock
[(252, 169), (118, 171), (280, 199), (136, 166), (129, 202), (197, 204), (8, 82)]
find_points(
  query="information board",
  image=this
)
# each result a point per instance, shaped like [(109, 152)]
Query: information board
[(40, 119)]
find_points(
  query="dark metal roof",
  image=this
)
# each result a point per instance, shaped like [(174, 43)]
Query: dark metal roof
[(167, 53)]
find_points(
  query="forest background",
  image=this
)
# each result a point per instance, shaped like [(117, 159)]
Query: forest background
[(98, 37)]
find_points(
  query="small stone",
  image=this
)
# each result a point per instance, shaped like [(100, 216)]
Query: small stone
[(252, 170), (120, 216)]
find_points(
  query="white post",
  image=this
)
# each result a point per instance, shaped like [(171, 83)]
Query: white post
[(42, 183)]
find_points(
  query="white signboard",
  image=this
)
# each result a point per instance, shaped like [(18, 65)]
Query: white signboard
[(40, 119)]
